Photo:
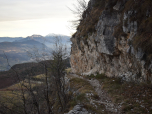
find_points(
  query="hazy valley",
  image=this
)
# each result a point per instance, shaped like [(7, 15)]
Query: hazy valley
[(17, 50)]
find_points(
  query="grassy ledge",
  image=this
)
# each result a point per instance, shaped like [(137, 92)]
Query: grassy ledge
[(82, 92), (135, 98)]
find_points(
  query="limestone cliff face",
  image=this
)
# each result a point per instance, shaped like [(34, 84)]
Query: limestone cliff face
[(112, 48)]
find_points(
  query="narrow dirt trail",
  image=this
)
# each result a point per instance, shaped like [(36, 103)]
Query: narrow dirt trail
[(104, 98)]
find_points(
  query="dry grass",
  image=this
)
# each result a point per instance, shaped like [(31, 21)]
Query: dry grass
[(41, 76), (82, 87), (68, 70), (9, 94), (136, 98), (22, 85), (12, 100), (12, 97)]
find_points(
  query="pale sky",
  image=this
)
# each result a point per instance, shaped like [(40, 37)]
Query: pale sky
[(27, 17)]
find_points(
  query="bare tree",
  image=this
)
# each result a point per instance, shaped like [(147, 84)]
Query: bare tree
[(57, 68), (50, 91), (78, 9), (54, 72)]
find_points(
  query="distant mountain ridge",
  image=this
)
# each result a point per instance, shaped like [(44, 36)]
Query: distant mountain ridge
[(16, 48), (47, 40), (16, 52), (36, 37), (9, 39), (33, 37)]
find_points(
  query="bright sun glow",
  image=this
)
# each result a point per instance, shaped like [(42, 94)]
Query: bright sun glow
[(27, 17), (35, 26)]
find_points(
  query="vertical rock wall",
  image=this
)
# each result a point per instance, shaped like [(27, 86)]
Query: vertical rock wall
[(103, 52)]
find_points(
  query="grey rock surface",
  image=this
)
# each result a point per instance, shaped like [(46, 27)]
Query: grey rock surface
[(78, 109), (105, 53)]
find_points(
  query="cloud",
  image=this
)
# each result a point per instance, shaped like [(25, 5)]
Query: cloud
[(32, 9), (34, 26), (27, 17)]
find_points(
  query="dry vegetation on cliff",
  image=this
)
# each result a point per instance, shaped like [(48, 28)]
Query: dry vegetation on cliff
[(141, 13), (90, 19)]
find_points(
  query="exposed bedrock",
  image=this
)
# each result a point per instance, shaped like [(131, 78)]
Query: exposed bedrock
[(103, 52)]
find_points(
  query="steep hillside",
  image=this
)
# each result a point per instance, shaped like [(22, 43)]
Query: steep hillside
[(16, 52), (8, 78), (114, 38), (24, 70)]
